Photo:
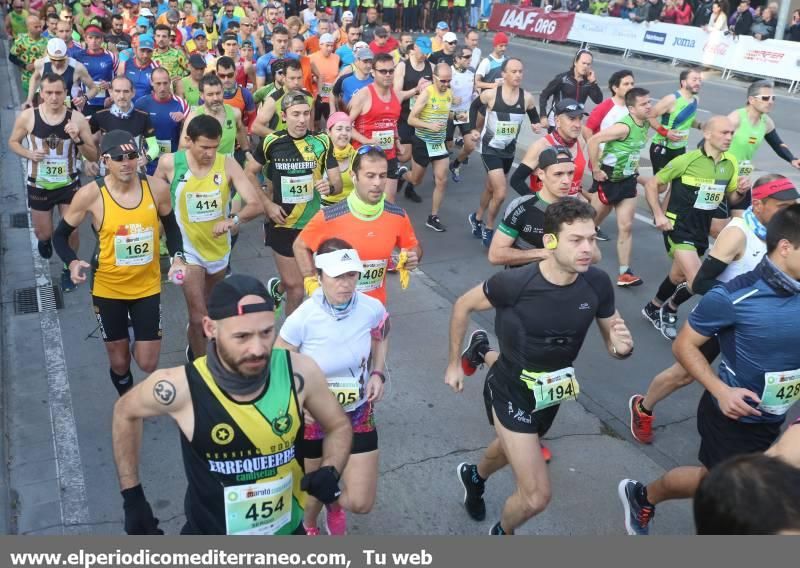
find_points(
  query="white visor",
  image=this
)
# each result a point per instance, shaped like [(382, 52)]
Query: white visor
[(339, 262)]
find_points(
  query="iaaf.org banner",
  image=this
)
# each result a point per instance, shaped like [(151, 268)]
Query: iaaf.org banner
[(531, 22)]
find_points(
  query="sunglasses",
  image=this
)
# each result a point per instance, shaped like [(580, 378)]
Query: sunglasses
[(767, 98), (451, 42), (123, 157), (384, 71), (367, 148), (572, 108), (442, 81), (466, 56), (225, 75)]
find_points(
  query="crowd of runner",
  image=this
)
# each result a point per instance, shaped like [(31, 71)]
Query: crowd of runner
[(167, 126)]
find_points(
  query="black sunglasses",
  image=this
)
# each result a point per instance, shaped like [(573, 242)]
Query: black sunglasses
[(128, 156), (384, 71)]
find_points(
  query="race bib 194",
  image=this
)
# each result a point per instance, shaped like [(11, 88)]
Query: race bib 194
[(258, 508), (551, 388)]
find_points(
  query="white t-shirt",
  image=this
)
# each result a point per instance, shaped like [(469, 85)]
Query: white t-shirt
[(463, 87), (614, 114), (340, 347), (476, 58)]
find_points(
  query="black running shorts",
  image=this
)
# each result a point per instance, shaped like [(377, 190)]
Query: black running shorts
[(144, 313), (280, 239), (513, 404)]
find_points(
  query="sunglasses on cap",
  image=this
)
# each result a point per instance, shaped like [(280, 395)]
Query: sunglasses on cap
[(368, 147), (123, 157), (573, 108), (466, 55)]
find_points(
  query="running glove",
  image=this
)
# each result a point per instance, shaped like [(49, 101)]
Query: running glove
[(402, 270), (322, 484), (310, 283), (139, 517)]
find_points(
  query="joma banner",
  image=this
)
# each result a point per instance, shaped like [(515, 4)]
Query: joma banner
[(531, 22)]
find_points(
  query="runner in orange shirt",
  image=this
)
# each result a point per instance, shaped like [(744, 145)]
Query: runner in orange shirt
[(325, 67), (372, 225)]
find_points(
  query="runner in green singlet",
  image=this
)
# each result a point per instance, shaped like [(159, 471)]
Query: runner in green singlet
[(616, 173), (230, 118), (189, 87), (672, 117), (753, 126)]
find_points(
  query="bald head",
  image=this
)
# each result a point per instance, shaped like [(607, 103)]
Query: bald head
[(718, 133), (34, 25), (442, 69)]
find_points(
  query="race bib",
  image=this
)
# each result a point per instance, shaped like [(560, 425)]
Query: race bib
[(53, 170), (385, 138), (164, 146), (781, 391), (436, 148), (372, 277), (135, 249), (506, 130), (258, 508), (551, 388), (326, 90), (347, 391), (745, 168), (709, 196), (297, 189), (204, 206), (631, 165)]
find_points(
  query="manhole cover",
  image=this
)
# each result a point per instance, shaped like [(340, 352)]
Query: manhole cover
[(38, 299), (19, 220)]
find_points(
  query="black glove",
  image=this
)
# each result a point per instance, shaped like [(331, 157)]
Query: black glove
[(139, 517), (322, 484)]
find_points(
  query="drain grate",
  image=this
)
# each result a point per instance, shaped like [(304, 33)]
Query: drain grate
[(38, 299), (19, 221)]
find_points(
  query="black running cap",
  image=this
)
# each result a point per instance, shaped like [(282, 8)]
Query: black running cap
[(225, 297), (118, 143), (554, 155)]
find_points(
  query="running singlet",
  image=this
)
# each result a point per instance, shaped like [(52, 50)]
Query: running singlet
[(242, 472), (199, 204), (410, 81), (58, 169), (228, 142), (313, 328), (349, 85), (294, 165), (276, 122), (168, 132), (140, 76), (699, 186), (746, 140), (344, 158), (680, 120), (754, 250), (102, 67), (173, 60), (541, 326), (622, 156), (243, 100), (328, 68), (436, 110), (373, 239), (380, 123), (523, 221), (501, 128), (580, 166), (126, 263), (191, 92)]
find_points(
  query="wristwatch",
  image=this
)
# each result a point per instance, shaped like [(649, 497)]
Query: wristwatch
[(178, 254), (235, 219), (80, 142), (380, 375), (618, 356)]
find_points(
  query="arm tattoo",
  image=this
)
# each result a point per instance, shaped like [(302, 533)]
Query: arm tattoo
[(301, 382), (164, 392)]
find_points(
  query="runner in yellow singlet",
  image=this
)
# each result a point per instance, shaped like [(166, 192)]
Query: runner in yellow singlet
[(126, 284), (200, 178)]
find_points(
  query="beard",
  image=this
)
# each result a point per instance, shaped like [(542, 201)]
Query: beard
[(238, 365)]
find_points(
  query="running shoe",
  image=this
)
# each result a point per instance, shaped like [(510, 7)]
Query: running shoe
[(401, 171), (637, 515), (669, 323), (411, 194), (497, 530), (435, 223), (45, 248), (652, 314), (641, 423), (628, 278), (546, 453), (460, 142), (600, 235), (311, 531), (473, 490), (455, 172), (472, 356), (336, 520), (475, 225), (67, 285), (486, 236)]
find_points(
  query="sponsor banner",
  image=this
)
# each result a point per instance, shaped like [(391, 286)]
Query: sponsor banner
[(606, 32), (770, 58), (531, 22)]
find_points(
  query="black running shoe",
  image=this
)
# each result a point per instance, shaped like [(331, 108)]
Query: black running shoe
[(435, 223), (652, 314), (497, 530), (600, 235), (411, 194), (45, 249), (472, 356), (473, 490), (637, 514)]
